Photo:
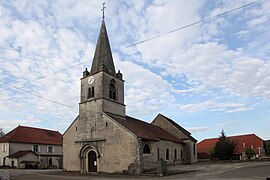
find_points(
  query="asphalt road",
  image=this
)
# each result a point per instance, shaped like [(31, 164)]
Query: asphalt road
[(246, 170)]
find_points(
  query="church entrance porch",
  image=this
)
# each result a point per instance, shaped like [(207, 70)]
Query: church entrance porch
[(89, 158), (92, 161)]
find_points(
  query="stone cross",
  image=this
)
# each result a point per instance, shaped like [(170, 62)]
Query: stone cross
[(103, 9)]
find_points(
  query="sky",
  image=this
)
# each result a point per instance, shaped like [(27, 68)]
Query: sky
[(207, 77)]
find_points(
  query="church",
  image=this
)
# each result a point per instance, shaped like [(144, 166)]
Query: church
[(103, 139)]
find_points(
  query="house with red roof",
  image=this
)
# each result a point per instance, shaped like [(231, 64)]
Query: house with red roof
[(29, 147), (252, 141)]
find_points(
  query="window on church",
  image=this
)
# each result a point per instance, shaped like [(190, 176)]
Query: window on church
[(158, 153), (112, 89), (175, 154), (194, 149), (91, 92), (146, 148), (181, 154), (167, 154)]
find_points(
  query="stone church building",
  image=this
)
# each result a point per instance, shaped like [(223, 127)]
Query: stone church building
[(103, 138)]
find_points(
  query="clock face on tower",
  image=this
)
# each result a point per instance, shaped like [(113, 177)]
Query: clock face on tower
[(91, 80)]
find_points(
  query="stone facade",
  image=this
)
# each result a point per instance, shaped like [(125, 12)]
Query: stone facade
[(116, 148), (190, 147)]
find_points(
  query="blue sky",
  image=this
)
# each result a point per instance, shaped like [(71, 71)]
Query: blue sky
[(208, 77)]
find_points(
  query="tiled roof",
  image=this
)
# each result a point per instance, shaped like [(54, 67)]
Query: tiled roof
[(32, 135), (249, 140), (143, 129), (188, 134), (21, 153)]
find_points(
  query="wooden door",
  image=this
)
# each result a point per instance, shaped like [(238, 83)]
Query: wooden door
[(92, 161)]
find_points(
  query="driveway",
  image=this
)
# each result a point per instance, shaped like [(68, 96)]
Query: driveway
[(242, 170)]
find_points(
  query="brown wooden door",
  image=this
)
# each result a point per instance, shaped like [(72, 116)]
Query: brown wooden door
[(92, 161)]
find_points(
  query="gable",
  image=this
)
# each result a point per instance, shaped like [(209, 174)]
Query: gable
[(144, 130), (170, 126)]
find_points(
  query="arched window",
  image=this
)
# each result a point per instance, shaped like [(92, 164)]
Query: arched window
[(112, 89), (91, 92), (167, 154), (175, 154), (146, 148)]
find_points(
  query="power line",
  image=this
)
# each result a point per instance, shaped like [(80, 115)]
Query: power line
[(44, 98), (151, 38), (134, 44), (37, 95)]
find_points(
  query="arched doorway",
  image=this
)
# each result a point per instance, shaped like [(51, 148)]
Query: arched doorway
[(92, 161)]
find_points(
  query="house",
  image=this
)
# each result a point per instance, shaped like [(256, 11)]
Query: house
[(252, 141), (102, 138), (267, 147), (29, 147)]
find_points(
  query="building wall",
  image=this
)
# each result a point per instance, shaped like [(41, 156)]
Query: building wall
[(115, 145), (160, 147), (190, 149), (4, 153), (14, 147)]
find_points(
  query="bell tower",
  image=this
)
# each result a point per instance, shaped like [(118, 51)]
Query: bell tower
[(102, 89)]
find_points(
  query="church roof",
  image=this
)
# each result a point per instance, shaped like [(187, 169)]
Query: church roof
[(24, 134), (188, 134), (103, 60), (143, 129)]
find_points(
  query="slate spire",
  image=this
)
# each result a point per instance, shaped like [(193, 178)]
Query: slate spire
[(103, 60)]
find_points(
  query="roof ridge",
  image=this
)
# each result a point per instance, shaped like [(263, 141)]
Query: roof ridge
[(39, 128)]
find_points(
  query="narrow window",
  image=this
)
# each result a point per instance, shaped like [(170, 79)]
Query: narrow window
[(89, 93), (35, 148), (112, 89), (175, 154), (146, 148), (93, 92), (167, 154), (158, 153), (194, 149), (50, 149), (181, 154), (106, 124), (4, 148)]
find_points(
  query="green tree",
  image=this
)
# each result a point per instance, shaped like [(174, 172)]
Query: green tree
[(224, 149), (1, 132), (250, 153)]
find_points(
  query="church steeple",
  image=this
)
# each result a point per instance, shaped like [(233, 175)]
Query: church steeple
[(103, 60)]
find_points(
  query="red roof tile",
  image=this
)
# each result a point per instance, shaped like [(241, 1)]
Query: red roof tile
[(144, 130), (32, 135), (207, 145), (21, 153)]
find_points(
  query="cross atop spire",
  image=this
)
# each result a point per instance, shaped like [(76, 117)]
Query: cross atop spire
[(103, 9)]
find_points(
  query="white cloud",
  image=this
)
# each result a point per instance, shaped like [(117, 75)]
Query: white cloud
[(198, 129), (228, 124), (215, 106)]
